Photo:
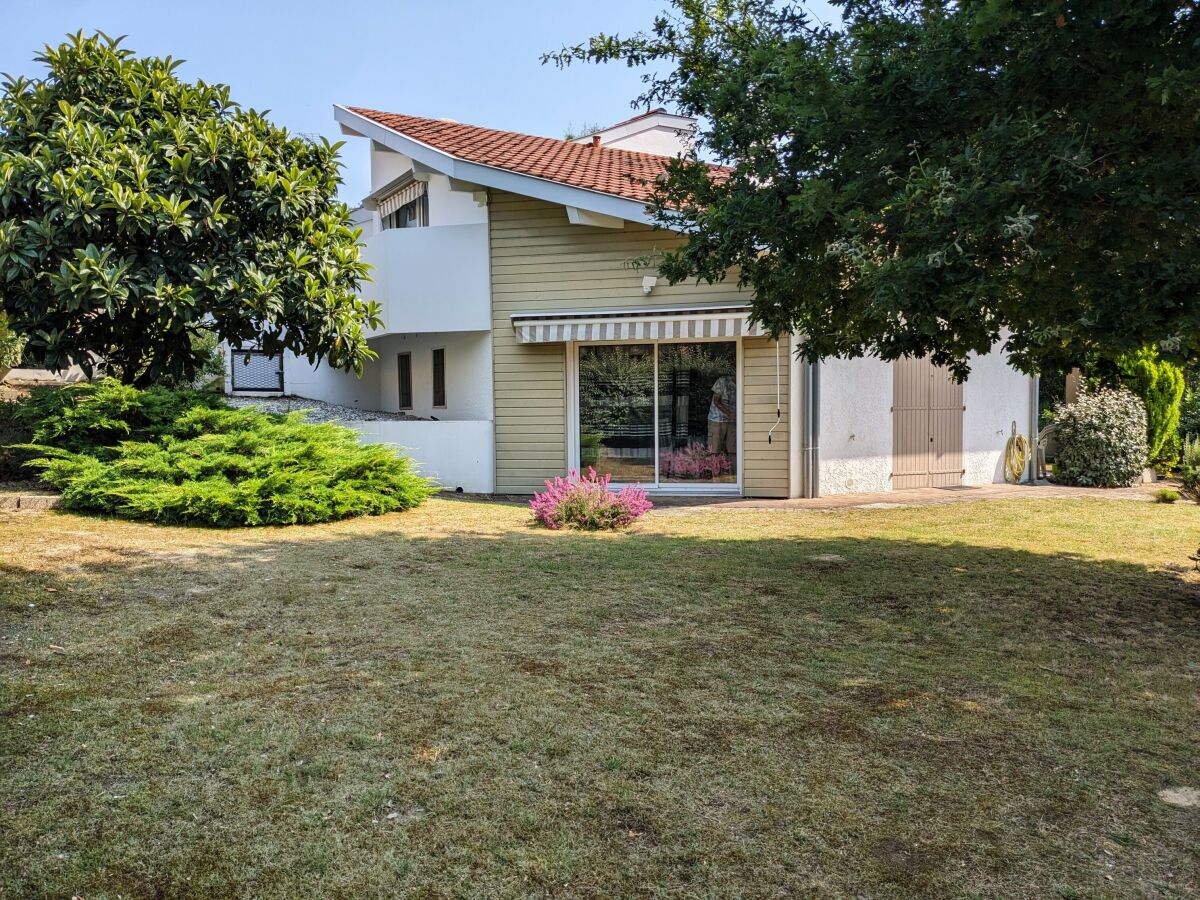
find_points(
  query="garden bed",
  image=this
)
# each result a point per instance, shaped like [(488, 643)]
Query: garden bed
[(319, 410)]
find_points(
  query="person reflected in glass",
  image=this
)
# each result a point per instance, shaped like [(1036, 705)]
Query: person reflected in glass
[(722, 416)]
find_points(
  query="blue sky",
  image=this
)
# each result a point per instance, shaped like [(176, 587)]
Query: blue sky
[(476, 61)]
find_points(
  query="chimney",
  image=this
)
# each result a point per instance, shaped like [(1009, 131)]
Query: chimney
[(595, 141)]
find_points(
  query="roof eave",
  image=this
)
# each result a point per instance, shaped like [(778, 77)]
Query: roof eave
[(491, 176)]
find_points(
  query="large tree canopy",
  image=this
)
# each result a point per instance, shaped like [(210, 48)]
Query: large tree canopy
[(137, 209), (933, 177)]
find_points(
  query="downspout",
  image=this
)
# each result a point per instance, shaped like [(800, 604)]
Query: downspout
[(796, 424), (1034, 416), (812, 446)]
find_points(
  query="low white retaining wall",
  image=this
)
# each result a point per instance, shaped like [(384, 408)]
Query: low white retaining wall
[(457, 454)]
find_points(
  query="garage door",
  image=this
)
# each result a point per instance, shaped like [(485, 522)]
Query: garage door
[(927, 426)]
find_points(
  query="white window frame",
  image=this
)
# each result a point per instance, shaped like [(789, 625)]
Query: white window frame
[(572, 391)]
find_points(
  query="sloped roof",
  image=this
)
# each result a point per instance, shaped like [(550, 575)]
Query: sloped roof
[(621, 173)]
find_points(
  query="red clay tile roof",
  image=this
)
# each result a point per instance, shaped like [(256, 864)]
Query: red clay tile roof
[(622, 173)]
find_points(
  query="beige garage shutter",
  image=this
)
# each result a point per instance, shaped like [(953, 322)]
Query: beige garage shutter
[(927, 426)]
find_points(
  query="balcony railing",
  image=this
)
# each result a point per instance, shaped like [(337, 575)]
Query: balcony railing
[(430, 279)]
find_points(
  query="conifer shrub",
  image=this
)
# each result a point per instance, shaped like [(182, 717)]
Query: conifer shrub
[(91, 417), (1161, 385), (226, 468)]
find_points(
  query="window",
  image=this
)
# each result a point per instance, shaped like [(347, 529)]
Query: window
[(660, 413), (439, 377), (414, 214), (404, 371)]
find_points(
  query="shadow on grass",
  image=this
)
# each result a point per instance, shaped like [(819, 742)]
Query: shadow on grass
[(508, 712)]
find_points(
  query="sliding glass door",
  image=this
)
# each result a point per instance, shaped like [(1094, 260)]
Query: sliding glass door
[(697, 413), (660, 414), (616, 411)]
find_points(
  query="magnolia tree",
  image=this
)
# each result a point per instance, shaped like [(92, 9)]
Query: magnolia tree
[(139, 211), (933, 177)]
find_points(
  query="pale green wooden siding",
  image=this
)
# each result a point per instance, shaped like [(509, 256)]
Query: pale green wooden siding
[(542, 263), (765, 468)]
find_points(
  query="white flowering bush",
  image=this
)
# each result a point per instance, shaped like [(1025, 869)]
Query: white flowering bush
[(1101, 439)]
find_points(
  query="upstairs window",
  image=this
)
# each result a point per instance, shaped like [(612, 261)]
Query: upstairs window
[(405, 207)]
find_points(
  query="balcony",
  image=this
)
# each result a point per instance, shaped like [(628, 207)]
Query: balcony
[(430, 279)]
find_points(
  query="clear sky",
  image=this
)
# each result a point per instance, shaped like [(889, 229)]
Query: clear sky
[(476, 61)]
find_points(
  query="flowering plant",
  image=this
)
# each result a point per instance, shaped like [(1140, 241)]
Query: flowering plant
[(693, 461), (586, 501)]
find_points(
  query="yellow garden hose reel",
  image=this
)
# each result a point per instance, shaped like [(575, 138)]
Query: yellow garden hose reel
[(1016, 455)]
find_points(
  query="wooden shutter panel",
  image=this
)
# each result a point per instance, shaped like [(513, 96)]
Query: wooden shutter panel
[(927, 425)]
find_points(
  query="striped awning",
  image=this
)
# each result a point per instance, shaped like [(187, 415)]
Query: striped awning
[(414, 190), (640, 325)]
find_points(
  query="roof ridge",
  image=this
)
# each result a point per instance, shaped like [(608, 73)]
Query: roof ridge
[(658, 110), (453, 123)]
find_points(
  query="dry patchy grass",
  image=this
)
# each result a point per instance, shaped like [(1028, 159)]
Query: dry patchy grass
[(981, 698)]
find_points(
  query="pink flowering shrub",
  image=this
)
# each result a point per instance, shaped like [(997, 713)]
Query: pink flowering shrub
[(693, 461), (586, 501)]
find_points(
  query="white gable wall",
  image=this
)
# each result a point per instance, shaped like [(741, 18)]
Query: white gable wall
[(660, 140), (659, 132), (446, 207)]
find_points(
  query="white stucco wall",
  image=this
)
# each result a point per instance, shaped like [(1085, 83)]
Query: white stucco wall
[(386, 166), (660, 140), (660, 133), (995, 395), (430, 279), (446, 207), (856, 426), (468, 373), (331, 385), (856, 422), (455, 454)]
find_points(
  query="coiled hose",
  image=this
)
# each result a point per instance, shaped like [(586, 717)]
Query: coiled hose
[(1016, 455)]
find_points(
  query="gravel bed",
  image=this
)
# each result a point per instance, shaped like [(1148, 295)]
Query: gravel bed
[(320, 411)]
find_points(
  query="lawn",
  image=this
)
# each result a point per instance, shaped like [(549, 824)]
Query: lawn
[(980, 698)]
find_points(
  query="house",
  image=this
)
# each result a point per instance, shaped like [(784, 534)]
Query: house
[(524, 335)]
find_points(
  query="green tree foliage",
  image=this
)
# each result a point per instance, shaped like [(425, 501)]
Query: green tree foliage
[(1160, 385), (934, 177), (1189, 413), (12, 346), (138, 210), (1189, 468)]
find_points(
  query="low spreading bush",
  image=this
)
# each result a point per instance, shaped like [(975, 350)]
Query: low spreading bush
[(93, 417), (693, 461), (586, 501), (224, 467), (1101, 439), (1166, 495)]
